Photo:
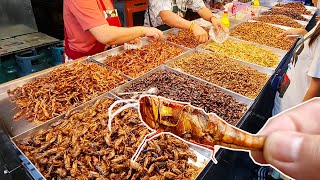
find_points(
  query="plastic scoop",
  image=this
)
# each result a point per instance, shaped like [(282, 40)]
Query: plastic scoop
[(219, 36)]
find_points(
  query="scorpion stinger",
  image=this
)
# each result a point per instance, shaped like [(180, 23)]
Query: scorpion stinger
[(131, 103)]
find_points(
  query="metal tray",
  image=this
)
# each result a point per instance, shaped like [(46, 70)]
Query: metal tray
[(266, 70), (7, 110), (303, 23), (203, 155), (253, 66), (238, 97), (276, 50), (46, 125), (100, 57)]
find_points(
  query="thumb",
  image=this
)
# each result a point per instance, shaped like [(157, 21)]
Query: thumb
[(295, 154)]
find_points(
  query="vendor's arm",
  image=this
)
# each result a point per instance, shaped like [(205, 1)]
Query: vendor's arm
[(118, 35), (314, 89), (173, 20), (91, 19), (206, 14)]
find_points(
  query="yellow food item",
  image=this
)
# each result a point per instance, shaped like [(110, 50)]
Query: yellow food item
[(246, 52)]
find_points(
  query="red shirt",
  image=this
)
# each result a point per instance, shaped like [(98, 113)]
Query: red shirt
[(80, 16)]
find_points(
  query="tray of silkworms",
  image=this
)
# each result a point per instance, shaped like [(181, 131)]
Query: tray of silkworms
[(218, 69), (81, 146), (260, 57), (180, 86), (32, 100), (135, 62)]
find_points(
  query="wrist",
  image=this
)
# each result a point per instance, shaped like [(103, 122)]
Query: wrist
[(191, 27), (213, 18), (141, 31)]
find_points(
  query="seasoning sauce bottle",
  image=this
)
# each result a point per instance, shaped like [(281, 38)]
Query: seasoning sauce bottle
[(225, 19), (256, 3)]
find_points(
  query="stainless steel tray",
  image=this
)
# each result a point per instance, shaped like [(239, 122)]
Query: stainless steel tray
[(266, 70), (100, 57), (276, 50), (303, 23), (46, 126), (253, 66), (7, 110), (238, 97), (203, 155)]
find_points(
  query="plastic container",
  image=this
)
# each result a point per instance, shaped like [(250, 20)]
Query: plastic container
[(219, 36), (31, 61), (225, 19), (57, 54), (9, 68), (3, 78)]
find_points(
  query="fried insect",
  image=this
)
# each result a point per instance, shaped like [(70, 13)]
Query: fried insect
[(296, 6), (162, 164), (62, 89), (246, 52), (90, 151), (180, 87), (280, 20), (194, 125), (262, 33), (224, 72), (185, 38), (138, 61)]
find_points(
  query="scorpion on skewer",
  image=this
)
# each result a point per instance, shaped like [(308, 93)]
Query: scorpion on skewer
[(188, 123)]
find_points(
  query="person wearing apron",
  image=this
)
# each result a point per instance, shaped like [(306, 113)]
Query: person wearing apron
[(170, 13), (91, 26)]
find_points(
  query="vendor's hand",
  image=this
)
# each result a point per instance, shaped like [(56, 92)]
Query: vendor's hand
[(136, 40), (152, 33), (200, 34), (296, 31), (293, 141), (217, 25)]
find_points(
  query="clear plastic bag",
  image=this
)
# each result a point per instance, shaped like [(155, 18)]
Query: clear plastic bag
[(219, 36), (136, 45)]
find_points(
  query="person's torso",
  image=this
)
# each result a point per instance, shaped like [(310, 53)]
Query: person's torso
[(78, 39), (297, 74), (177, 6)]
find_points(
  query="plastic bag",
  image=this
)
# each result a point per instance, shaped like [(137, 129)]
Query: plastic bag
[(136, 45), (219, 36)]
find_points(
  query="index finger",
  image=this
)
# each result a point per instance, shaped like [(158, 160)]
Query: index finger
[(303, 118)]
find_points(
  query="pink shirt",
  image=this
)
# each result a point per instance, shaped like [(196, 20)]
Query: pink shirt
[(80, 16)]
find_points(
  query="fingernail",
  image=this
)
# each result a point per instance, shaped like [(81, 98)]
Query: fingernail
[(283, 146)]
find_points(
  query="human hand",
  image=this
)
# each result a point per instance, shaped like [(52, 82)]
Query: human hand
[(152, 33), (293, 141), (295, 31), (200, 34), (136, 40), (217, 25)]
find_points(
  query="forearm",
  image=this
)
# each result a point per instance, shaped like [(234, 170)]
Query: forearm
[(205, 13), (111, 35), (314, 89), (173, 20)]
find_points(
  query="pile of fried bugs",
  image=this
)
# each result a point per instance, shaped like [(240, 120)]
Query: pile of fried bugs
[(80, 146), (63, 89)]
